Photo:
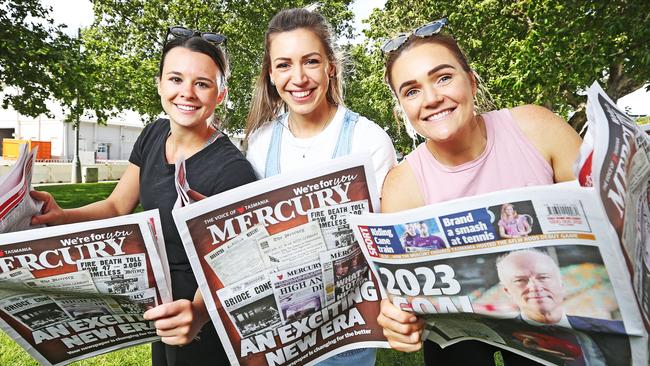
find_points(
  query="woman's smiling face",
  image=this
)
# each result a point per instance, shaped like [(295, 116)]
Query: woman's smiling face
[(435, 92), (189, 87), (300, 71)]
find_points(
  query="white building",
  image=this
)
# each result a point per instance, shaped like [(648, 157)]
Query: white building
[(113, 141)]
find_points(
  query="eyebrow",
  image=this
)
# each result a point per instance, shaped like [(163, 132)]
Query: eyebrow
[(429, 73), (315, 53), (199, 78)]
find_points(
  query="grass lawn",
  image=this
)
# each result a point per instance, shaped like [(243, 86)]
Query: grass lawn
[(75, 195)]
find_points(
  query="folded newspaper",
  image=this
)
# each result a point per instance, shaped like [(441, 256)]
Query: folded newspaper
[(74, 291), (282, 276), (16, 205), (548, 272)]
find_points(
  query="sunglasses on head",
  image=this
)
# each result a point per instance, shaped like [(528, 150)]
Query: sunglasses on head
[(182, 32), (426, 30)]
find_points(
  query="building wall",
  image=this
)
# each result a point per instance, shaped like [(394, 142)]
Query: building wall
[(117, 137)]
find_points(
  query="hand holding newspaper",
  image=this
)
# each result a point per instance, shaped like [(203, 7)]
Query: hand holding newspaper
[(278, 267), (16, 206), (74, 291), (556, 281)]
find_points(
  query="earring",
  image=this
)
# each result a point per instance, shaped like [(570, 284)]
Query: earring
[(272, 83)]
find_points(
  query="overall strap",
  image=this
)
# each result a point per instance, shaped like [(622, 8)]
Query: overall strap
[(344, 142), (273, 154)]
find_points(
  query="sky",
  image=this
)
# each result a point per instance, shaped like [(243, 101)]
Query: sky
[(79, 13)]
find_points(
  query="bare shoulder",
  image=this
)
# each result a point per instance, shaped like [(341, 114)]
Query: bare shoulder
[(400, 191), (551, 135), (537, 122)]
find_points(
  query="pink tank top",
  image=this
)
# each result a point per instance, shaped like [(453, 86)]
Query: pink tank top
[(509, 161)]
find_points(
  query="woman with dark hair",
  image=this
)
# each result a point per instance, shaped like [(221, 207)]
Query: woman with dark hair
[(297, 118), (191, 84), (466, 152)]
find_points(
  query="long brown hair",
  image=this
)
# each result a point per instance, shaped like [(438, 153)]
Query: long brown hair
[(266, 103)]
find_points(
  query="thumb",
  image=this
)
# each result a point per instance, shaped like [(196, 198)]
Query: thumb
[(40, 196)]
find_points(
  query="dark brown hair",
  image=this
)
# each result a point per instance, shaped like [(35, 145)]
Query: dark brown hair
[(198, 44)]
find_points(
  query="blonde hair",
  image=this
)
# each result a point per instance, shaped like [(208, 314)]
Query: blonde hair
[(266, 103)]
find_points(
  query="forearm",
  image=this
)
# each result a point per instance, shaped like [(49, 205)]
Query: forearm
[(95, 211)]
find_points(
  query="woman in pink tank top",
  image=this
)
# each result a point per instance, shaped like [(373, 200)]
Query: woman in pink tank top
[(465, 153)]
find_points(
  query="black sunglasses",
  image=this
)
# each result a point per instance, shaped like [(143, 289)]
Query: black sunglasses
[(426, 30), (182, 32)]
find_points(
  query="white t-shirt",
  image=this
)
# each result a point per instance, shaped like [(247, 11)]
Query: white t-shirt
[(298, 153)]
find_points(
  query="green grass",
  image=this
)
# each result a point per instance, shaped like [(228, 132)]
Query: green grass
[(75, 195)]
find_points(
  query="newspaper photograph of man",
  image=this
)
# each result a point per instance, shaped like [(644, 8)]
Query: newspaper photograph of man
[(554, 302), (533, 281)]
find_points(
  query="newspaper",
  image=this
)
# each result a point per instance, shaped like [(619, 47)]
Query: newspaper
[(298, 291), (74, 291), (621, 176), (533, 270), (333, 221), (280, 314), (242, 253), (300, 244), (16, 205), (344, 269), (251, 305), (180, 180)]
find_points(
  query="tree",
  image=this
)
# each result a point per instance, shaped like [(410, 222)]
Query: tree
[(367, 94), (127, 36), (30, 45), (536, 51)]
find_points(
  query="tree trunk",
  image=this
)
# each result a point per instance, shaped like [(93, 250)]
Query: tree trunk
[(578, 120), (618, 84)]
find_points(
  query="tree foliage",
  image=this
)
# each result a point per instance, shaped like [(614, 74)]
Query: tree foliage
[(126, 40), (30, 45), (527, 51), (533, 51)]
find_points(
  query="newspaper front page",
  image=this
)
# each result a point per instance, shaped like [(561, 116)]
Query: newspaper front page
[(556, 290), (620, 172), (74, 291), (16, 205), (297, 309), (537, 270)]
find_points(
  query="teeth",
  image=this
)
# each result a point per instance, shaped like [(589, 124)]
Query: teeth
[(301, 94), (439, 115), (186, 107)]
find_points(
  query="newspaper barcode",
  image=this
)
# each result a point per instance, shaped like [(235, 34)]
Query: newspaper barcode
[(562, 210)]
